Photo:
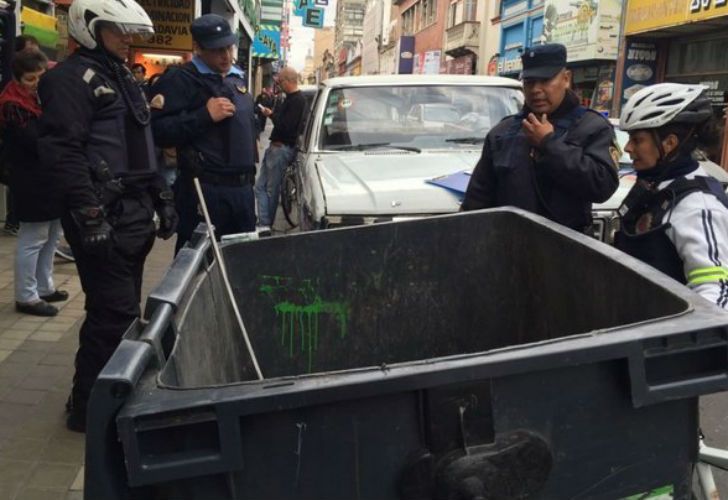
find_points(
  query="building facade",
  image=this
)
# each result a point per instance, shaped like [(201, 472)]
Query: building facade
[(679, 41), (590, 30), (521, 25), (349, 28), (323, 54)]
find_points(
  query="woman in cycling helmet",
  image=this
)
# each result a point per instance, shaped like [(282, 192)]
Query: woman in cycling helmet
[(675, 218)]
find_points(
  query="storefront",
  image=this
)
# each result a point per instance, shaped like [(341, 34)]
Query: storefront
[(681, 41), (171, 44), (590, 31), (43, 26), (521, 28), (463, 65)]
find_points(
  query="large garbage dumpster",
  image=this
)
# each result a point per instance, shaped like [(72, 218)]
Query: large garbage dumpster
[(488, 355)]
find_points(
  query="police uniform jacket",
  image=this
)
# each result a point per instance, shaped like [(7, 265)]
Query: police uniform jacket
[(88, 133), (560, 179), (180, 119), (680, 227)]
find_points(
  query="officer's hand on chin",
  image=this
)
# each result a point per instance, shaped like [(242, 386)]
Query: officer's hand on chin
[(168, 220), (537, 130), (220, 108), (96, 232)]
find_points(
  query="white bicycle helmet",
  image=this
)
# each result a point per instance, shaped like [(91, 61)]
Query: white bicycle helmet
[(128, 15), (663, 103)]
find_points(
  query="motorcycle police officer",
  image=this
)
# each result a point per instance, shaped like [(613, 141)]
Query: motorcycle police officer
[(675, 217), (554, 158), (205, 111), (96, 141)]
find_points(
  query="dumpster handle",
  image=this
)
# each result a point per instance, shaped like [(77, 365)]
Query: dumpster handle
[(225, 279), (676, 372)]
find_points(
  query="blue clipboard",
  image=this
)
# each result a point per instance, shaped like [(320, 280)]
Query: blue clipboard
[(457, 182)]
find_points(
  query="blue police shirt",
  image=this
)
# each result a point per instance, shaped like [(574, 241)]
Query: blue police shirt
[(180, 118)]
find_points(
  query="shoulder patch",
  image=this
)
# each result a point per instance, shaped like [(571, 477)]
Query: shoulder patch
[(88, 75), (157, 102)]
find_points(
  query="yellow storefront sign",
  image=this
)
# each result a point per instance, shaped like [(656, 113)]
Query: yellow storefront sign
[(649, 15), (172, 19)]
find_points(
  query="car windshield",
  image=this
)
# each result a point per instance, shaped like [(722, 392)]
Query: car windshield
[(447, 114), (421, 117)]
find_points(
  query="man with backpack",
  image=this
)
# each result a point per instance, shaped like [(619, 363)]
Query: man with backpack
[(204, 110)]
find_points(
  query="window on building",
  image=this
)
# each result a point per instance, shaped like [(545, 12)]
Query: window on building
[(452, 15), (471, 10), (431, 11), (408, 21), (419, 16)]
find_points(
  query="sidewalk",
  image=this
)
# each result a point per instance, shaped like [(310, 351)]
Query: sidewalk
[(39, 458)]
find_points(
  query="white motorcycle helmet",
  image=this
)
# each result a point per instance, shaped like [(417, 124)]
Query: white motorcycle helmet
[(657, 105), (128, 15)]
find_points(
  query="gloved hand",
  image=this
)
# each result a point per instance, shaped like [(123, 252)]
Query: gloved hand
[(168, 218), (96, 232)]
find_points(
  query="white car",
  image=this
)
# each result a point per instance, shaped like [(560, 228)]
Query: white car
[(363, 159), (606, 220)]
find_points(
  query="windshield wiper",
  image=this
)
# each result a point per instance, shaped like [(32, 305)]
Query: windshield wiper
[(374, 145), (467, 140)]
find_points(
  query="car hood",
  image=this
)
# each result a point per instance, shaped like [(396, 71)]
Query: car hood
[(391, 182), (625, 184)]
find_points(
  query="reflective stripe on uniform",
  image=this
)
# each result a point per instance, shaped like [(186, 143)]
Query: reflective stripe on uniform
[(707, 275)]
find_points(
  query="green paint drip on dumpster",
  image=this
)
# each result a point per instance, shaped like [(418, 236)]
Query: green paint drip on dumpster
[(303, 317), (663, 493)]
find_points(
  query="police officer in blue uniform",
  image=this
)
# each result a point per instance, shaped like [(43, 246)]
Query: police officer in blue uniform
[(96, 142), (205, 111), (554, 158)]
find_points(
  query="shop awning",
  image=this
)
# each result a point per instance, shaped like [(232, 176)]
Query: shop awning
[(41, 26)]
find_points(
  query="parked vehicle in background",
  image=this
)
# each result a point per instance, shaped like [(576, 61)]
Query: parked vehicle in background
[(364, 158)]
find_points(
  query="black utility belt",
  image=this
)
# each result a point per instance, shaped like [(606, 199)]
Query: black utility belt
[(235, 180)]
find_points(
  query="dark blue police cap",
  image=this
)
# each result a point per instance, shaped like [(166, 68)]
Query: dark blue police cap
[(542, 62), (212, 32)]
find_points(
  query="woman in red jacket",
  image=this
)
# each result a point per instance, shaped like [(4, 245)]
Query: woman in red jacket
[(36, 204)]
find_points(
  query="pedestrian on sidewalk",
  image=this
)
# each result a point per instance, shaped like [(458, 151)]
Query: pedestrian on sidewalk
[(288, 119), (37, 205), (23, 43), (96, 138), (264, 100), (204, 110)]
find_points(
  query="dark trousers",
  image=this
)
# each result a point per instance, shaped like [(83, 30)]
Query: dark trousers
[(11, 219), (112, 284), (232, 209)]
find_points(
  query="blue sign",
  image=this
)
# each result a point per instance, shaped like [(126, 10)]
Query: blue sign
[(267, 42), (406, 54), (314, 17), (300, 6)]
